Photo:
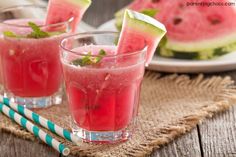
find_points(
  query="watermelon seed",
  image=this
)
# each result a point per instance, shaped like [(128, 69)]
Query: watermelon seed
[(156, 1), (177, 21), (214, 20), (181, 5)]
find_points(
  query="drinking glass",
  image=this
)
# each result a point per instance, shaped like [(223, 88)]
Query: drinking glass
[(103, 93), (30, 65)]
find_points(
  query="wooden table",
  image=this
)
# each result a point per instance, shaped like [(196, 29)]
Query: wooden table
[(215, 137)]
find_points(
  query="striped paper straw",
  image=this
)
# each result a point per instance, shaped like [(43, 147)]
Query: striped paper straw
[(34, 129), (41, 121)]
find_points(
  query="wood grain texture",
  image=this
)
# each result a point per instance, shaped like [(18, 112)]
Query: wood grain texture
[(103, 10), (218, 135), (11, 146), (185, 146)]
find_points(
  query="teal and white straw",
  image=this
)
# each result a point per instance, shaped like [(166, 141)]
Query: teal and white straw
[(41, 121), (34, 129)]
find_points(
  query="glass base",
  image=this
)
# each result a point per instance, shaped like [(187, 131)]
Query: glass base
[(1, 89), (110, 137), (36, 102)]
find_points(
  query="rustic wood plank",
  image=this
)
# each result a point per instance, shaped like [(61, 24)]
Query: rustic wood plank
[(11, 146), (185, 146), (218, 135), (103, 10)]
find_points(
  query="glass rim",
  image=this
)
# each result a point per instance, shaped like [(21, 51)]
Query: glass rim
[(2, 10), (92, 33)]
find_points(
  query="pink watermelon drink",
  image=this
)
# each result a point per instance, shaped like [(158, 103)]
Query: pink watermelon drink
[(102, 88), (63, 10), (30, 59)]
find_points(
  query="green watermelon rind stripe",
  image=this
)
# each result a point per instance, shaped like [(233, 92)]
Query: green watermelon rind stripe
[(202, 45), (82, 3), (200, 55), (144, 23)]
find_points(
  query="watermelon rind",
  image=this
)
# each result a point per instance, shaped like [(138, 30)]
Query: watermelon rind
[(119, 18), (200, 55), (202, 45), (82, 3), (140, 31), (144, 23)]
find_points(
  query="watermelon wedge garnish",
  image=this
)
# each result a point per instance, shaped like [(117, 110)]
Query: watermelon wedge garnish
[(140, 31), (194, 31), (64, 10)]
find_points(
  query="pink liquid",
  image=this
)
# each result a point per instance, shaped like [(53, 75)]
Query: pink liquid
[(31, 67), (103, 98)]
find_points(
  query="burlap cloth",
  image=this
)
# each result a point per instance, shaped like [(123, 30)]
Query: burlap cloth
[(170, 106)]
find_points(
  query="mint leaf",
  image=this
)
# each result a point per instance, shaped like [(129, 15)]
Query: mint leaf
[(9, 34), (101, 54), (77, 62), (12, 34), (37, 32), (34, 27), (83, 61), (150, 12), (89, 60)]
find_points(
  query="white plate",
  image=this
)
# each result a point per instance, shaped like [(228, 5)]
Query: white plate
[(224, 63)]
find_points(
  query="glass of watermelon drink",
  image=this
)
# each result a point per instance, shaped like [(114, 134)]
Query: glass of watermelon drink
[(102, 87), (30, 58)]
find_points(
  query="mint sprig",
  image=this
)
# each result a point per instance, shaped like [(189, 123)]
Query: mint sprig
[(89, 59), (36, 33), (9, 34)]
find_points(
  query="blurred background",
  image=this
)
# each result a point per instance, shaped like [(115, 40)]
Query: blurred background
[(92, 16)]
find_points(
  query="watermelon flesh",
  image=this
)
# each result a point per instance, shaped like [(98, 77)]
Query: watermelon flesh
[(64, 10), (193, 29), (140, 31)]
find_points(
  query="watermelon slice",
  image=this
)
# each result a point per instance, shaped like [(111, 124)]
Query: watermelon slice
[(139, 31), (63, 10), (194, 32)]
